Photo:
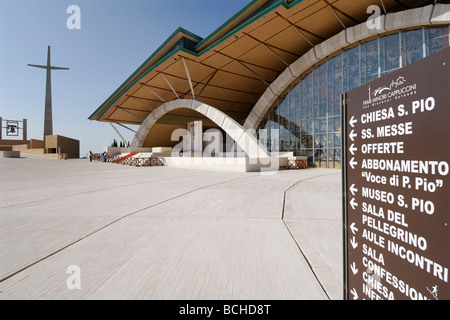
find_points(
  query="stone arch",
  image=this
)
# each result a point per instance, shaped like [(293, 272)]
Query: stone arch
[(438, 14), (243, 138)]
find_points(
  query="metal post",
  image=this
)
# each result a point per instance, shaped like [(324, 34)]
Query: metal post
[(255, 74), (24, 129), (145, 105), (300, 31), (379, 56), (209, 80), (167, 81), (130, 113), (148, 88), (125, 127), (123, 139), (189, 78), (332, 9), (384, 7), (344, 192), (424, 43)]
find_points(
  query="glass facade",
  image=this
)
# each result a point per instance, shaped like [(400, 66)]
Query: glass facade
[(308, 115)]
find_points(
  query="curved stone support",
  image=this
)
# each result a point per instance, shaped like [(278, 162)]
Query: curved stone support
[(244, 139), (419, 17)]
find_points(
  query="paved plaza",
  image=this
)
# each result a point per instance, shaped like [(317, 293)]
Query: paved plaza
[(166, 233)]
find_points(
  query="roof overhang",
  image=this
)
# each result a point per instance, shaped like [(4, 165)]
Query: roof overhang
[(231, 68)]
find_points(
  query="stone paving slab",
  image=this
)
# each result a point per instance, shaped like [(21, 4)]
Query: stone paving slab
[(160, 233), (313, 214)]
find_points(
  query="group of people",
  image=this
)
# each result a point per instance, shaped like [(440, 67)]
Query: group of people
[(104, 156)]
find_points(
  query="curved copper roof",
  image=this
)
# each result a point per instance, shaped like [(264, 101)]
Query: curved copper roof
[(231, 68)]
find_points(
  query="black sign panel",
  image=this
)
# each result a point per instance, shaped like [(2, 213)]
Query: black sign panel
[(396, 184), (12, 128)]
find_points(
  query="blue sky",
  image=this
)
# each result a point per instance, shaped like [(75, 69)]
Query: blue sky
[(115, 38)]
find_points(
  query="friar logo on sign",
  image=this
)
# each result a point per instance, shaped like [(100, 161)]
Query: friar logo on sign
[(394, 84), (396, 89)]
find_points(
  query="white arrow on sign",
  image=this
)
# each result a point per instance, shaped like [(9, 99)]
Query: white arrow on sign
[(353, 163), (352, 149), (354, 243), (355, 295), (353, 135), (353, 203), (354, 270), (353, 121), (353, 228), (352, 189)]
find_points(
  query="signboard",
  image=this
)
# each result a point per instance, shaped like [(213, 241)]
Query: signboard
[(396, 184), (12, 128)]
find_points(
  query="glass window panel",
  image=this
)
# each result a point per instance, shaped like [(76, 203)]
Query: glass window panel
[(320, 94), (298, 115), (331, 140), (295, 129), (274, 140), (309, 115), (264, 137), (307, 127), (334, 140), (338, 158), (295, 143), (307, 98), (320, 141), (284, 127), (283, 115), (266, 134), (369, 61), (412, 46), (437, 39), (274, 120), (307, 141), (264, 122), (331, 158), (320, 158), (274, 129), (295, 133), (335, 85), (351, 69), (337, 140), (320, 126), (335, 109), (334, 124), (294, 105), (284, 144), (281, 121), (308, 154), (390, 54), (283, 102), (334, 158)]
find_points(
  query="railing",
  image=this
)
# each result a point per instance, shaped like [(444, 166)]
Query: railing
[(297, 164), (97, 157), (145, 162), (124, 158), (130, 160)]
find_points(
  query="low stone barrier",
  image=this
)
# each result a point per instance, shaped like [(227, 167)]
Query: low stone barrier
[(11, 154)]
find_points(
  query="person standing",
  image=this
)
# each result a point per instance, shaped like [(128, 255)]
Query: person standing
[(90, 156)]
